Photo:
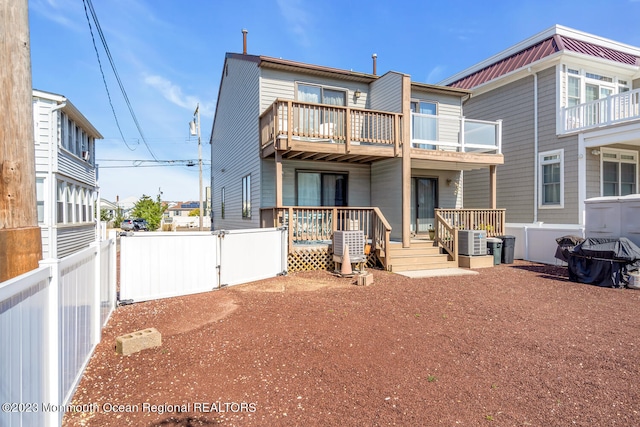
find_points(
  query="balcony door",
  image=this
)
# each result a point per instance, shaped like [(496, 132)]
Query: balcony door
[(321, 189), (317, 120), (424, 200)]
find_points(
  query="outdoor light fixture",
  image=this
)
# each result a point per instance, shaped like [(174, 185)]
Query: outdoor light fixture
[(357, 94), (595, 152)]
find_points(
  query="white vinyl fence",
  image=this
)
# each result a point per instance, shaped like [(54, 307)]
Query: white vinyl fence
[(50, 322), (162, 265), (537, 242)]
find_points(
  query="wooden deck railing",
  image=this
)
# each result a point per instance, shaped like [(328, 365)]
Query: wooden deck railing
[(491, 220), (449, 221), (446, 236), (317, 224), (307, 121)]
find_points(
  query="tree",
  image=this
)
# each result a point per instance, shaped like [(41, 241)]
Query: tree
[(194, 212), (105, 215), (150, 210)]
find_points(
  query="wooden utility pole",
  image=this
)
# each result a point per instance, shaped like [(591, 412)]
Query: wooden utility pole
[(20, 241)]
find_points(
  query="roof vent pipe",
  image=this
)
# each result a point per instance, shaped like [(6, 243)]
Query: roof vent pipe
[(244, 41), (375, 60)]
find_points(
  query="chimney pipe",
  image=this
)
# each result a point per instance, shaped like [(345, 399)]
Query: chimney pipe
[(375, 60), (244, 41)]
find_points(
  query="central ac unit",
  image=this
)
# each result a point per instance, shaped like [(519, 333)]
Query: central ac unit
[(472, 242), (355, 240)]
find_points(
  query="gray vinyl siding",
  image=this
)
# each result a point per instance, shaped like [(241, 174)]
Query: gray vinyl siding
[(74, 239), (268, 183), (76, 168), (358, 182), (42, 132), (386, 182), (386, 93), (449, 197), (547, 141), (514, 104), (234, 144)]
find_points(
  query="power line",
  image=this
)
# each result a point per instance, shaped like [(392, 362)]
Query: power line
[(115, 71), (104, 79)]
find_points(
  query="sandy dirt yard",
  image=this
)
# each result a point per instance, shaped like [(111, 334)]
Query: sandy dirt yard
[(515, 345)]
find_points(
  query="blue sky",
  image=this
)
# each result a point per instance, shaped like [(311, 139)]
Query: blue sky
[(169, 56)]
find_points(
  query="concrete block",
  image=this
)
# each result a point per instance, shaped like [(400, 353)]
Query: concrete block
[(365, 279), (137, 341)]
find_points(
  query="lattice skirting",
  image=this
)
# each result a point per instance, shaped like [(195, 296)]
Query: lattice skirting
[(306, 259)]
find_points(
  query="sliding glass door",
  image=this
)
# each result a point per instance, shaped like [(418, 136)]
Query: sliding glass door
[(424, 200)]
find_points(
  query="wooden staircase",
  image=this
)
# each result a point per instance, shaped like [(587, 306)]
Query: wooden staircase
[(422, 255)]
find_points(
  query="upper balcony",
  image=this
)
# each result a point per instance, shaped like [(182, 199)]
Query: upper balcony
[(309, 131), (614, 109)]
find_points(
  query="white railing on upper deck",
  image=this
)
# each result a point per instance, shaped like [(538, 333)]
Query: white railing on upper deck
[(450, 133), (601, 112)]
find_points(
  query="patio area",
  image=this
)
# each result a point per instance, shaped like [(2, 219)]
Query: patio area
[(516, 344)]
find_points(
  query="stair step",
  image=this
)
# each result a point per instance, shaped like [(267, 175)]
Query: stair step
[(428, 266), (414, 251), (422, 260)]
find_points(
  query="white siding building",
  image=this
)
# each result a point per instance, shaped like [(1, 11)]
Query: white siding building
[(66, 175)]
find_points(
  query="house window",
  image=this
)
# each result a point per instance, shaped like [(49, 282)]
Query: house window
[(551, 179), (321, 189), (321, 95), (573, 91), (619, 172), (222, 203), (40, 199), (246, 197), (60, 202)]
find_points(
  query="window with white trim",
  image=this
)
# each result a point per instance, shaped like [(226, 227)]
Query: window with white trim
[(551, 179), (619, 175), (246, 197), (40, 199)]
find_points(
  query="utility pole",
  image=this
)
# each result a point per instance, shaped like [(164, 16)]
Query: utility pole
[(20, 241), (195, 130)]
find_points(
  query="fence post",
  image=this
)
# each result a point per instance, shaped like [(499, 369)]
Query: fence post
[(52, 344), (96, 312)]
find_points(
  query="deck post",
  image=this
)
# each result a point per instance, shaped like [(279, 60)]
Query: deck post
[(278, 156), (492, 186), (406, 163)]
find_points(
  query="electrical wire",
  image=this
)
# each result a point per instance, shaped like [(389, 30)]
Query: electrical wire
[(104, 80), (115, 71)]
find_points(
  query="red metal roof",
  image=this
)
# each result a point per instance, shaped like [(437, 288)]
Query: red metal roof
[(538, 51)]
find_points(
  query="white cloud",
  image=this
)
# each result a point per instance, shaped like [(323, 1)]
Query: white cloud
[(173, 93), (435, 75), (297, 19), (60, 12)]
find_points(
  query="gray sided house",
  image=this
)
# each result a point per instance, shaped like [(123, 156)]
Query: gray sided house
[(322, 150), (66, 175), (570, 104)]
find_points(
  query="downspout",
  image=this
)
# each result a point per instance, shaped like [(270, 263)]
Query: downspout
[(53, 184), (535, 147)]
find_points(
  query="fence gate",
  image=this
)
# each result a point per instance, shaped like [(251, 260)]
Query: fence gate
[(168, 264)]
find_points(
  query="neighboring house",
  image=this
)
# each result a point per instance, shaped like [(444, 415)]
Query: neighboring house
[(321, 149), (177, 213), (570, 104), (66, 175)]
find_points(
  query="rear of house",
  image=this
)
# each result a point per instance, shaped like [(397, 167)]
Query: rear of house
[(321, 149)]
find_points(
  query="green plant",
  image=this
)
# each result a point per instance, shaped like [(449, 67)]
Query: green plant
[(488, 417), (432, 378), (150, 210)]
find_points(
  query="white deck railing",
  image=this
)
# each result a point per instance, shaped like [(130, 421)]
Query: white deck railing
[(50, 322), (602, 112), (450, 133)]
